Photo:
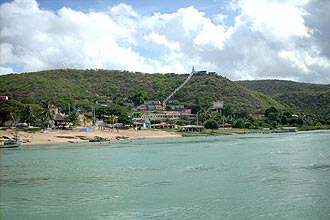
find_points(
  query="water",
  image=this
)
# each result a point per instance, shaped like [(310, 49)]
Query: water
[(264, 176)]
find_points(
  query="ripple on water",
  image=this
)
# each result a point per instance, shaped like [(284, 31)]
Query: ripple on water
[(182, 213), (317, 166), (199, 168)]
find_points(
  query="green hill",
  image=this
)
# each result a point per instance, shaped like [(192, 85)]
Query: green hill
[(303, 98), (84, 86)]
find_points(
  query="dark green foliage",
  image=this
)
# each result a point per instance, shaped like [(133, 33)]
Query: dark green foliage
[(239, 123), (301, 98), (139, 98), (80, 88), (211, 124), (182, 122), (155, 121), (8, 110), (277, 87), (72, 118), (272, 116)]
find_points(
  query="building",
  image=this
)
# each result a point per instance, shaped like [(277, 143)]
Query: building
[(217, 106), (192, 128), (150, 106), (101, 103), (3, 98), (141, 123), (162, 125)]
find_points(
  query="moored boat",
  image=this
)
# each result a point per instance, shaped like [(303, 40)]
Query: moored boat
[(9, 144), (285, 129)]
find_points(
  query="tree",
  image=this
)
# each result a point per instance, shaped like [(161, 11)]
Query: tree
[(228, 110), (239, 123), (155, 121), (87, 120), (182, 122), (137, 114), (272, 116), (270, 110), (124, 119), (211, 124), (72, 118), (139, 98), (47, 114), (28, 115), (113, 119), (286, 118), (7, 107)]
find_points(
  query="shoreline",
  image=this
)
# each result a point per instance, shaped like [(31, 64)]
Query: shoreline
[(28, 137), (74, 135)]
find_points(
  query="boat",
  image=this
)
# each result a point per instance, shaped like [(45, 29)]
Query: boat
[(9, 144), (285, 130)]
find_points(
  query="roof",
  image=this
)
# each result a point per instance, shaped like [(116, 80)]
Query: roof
[(192, 126), (59, 117)]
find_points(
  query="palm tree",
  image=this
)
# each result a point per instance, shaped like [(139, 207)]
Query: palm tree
[(27, 114), (113, 119), (47, 114), (86, 121)]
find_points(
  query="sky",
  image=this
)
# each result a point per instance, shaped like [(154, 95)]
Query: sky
[(238, 39)]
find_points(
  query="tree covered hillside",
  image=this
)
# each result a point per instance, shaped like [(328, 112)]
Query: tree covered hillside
[(69, 86), (303, 98), (278, 87)]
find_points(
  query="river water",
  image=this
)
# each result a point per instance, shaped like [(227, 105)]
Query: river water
[(257, 176)]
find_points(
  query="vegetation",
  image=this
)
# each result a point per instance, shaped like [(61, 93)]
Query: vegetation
[(80, 88), (302, 98), (283, 103)]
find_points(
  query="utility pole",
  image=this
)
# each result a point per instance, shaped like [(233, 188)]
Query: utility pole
[(94, 116)]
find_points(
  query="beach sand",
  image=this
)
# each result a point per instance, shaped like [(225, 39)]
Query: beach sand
[(76, 136)]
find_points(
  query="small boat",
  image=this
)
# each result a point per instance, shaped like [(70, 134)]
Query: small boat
[(9, 144), (285, 130)]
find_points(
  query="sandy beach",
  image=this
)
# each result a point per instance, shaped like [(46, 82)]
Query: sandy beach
[(76, 136)]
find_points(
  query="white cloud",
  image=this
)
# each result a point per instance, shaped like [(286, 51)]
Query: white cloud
[(275, 19), (268, 39), (5, 70)]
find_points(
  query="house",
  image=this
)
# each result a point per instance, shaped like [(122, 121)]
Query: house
[(101, 103), (3, 98), (166, 115), (150, 106), (152, 102), (176, 107), (192, 128), (202, 72), (225, 125), (143, 123), (162, 125), (142, 107), (217, 106), (59, 121), (188, 115)]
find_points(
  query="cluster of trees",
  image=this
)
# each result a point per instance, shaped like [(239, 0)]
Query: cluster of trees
[(273, 118), (302, 98), (113, 114), (40, 115)]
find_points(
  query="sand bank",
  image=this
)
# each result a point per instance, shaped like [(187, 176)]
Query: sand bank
[(75, 135)]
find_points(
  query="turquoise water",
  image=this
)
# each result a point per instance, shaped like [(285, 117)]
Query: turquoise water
[(260, 176)]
